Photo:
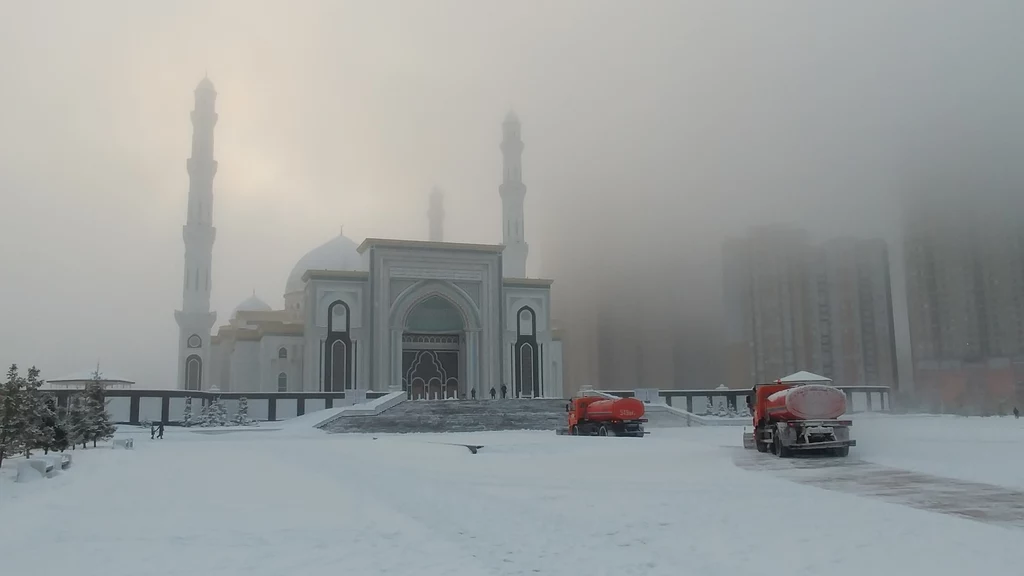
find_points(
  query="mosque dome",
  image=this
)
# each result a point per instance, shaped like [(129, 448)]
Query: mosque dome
[(251, 304), (338, 253)]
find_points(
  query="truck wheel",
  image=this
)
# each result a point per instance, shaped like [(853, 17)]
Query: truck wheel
[(780, 450), (761, 445), (602, 431), (575, 431), (843, 452)]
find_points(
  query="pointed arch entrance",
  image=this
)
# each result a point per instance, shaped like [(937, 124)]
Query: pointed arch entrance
[(436, 325)]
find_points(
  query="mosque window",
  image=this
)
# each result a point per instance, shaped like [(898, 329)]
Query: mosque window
[(194, 341), (527, 321), (525, 352), (282, 353), (527, 371), (282, 381), (338, 317), (193, 373)]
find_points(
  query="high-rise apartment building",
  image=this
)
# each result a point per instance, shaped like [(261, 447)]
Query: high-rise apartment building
[(791, 305), (964, 265)]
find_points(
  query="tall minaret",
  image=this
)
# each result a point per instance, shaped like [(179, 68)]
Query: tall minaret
[(195, 320), (436, 215), (513, 191)]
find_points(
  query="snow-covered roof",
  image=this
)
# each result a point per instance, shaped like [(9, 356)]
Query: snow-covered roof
[(88, 375), (804, 376), (251, 304), (337, 254)]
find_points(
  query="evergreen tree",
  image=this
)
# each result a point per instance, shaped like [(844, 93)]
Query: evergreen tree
[(12, 398), (99, 426), (34, 433), (76, 421), (186, 419), (60, 433), (242, 418), (48, 423), (214, 414)]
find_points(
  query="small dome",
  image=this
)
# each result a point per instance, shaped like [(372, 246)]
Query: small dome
[(251, 304), (339, 253)]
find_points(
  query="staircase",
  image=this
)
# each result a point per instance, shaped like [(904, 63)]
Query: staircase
[(457, 416)]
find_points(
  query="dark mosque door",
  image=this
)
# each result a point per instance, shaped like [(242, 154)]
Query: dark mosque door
[(430, 350), (430, 374)]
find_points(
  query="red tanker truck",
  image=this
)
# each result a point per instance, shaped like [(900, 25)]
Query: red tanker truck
[(599, 416), (797, 417)]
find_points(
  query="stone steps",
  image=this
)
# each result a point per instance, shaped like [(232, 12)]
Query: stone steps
[(457, 416)]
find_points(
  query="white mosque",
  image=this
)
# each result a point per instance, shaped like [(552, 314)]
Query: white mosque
[(438, 319)]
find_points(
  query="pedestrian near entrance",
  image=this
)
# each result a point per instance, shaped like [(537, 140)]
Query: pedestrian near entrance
[(492, 392), (504, 391), (160, 431)]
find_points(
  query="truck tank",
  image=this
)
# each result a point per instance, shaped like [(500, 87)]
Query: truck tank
[(620, 409), (807, 402)]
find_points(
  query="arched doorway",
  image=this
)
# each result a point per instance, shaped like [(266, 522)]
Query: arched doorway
[(432, 343)]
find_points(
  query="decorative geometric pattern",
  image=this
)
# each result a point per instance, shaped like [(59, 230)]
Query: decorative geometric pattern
[(431, 339), (430, 374)]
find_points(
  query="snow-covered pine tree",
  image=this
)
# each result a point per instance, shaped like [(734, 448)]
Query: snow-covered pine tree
[(76, 420), (48, 422), (59, 443), (99, 425), (186, 418), (204, 415), (214, 414), (12, 419), (220, 413), (242, 418), (34, 433)]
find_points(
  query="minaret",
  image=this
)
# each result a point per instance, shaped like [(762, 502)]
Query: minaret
[(195, 320), (513, 191), (436, 215)]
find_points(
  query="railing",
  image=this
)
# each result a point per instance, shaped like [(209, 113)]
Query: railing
[(858, 398), (168, 406)]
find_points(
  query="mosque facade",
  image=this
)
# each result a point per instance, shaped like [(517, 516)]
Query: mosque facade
[(437, 319)]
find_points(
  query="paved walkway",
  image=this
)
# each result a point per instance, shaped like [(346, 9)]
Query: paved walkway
[(981, 502)]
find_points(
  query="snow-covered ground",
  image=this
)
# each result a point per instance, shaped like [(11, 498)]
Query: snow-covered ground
[(976, 449), (291, 501)]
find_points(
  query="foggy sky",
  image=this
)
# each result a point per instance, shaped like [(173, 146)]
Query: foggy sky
[(652, 130)]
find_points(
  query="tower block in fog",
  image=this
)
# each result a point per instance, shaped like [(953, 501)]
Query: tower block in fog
[(195, 320), (513, 192), (436, 216)]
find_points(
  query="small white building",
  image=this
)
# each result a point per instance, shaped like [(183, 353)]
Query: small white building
[(439, 319)]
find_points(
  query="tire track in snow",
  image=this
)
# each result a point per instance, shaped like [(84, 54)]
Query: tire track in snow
[(976, 501)]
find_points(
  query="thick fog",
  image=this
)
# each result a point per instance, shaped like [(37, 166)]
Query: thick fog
[(652, 129)]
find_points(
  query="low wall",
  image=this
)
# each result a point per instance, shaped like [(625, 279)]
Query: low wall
[(168, 406), (858, 398)]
